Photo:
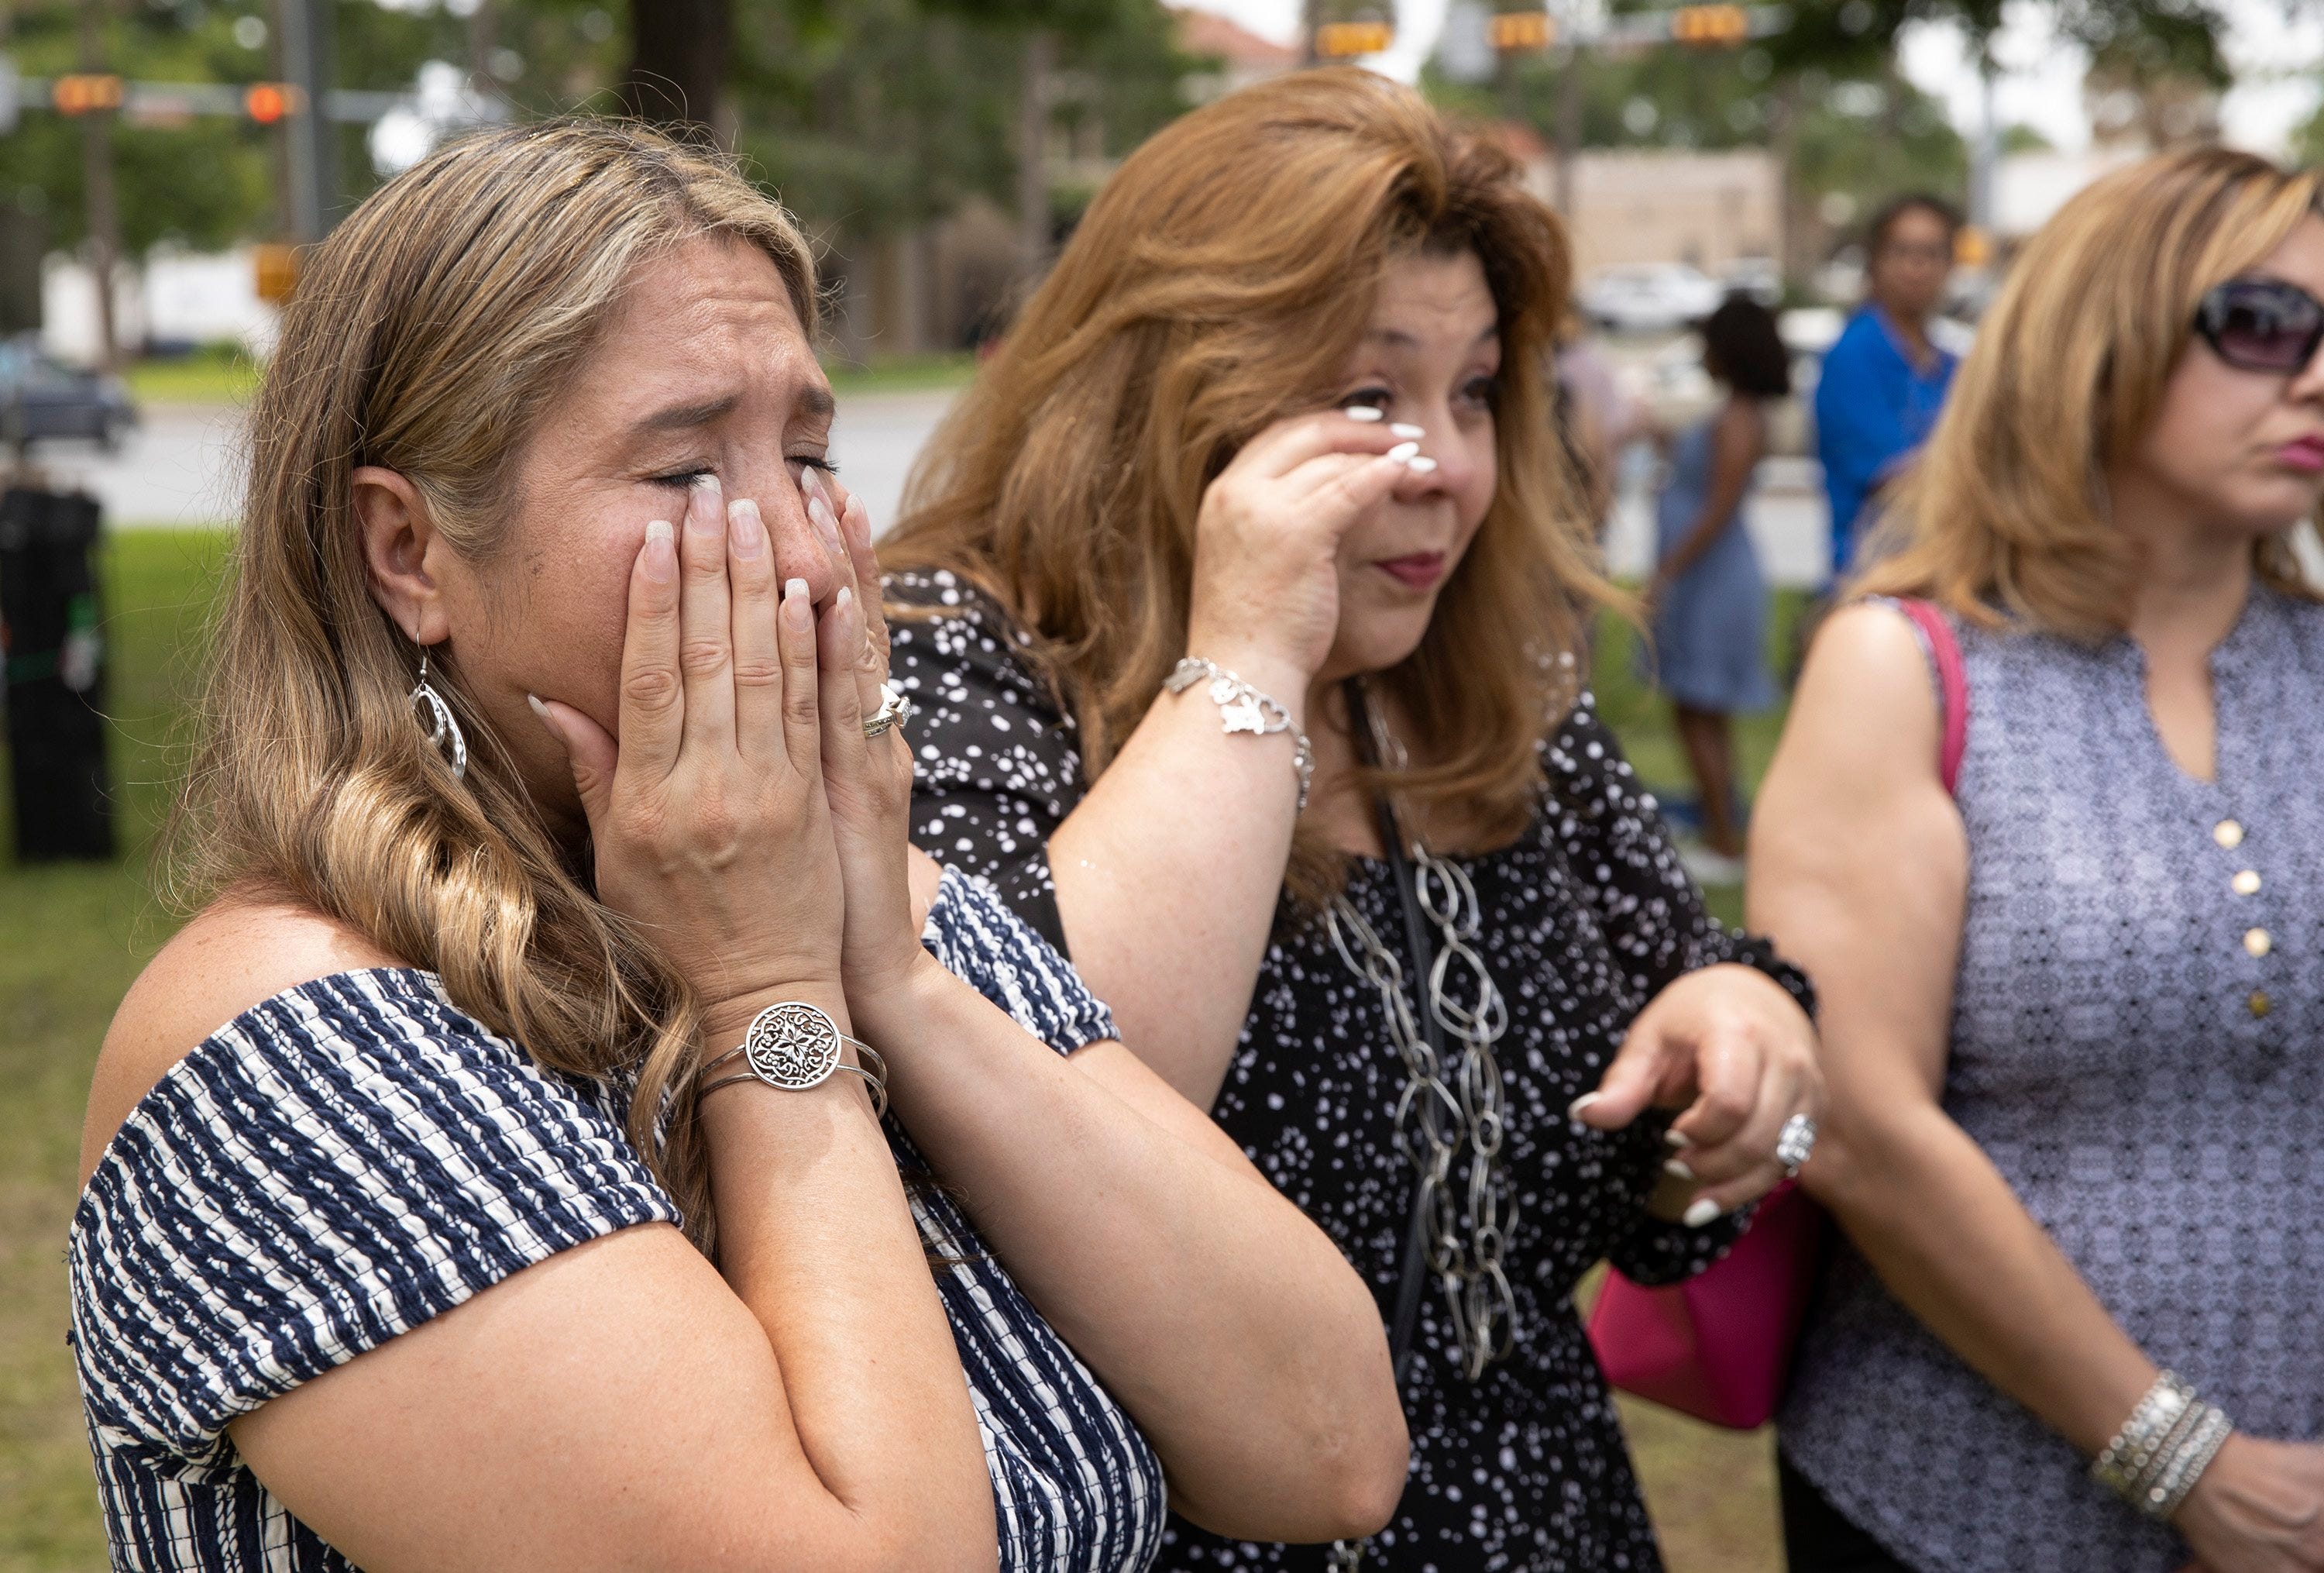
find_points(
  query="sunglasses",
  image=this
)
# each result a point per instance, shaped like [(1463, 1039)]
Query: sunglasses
[(2261, 325)]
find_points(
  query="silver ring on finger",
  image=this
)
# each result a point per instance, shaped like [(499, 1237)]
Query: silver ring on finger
[(1796, 1143), (894, 708)]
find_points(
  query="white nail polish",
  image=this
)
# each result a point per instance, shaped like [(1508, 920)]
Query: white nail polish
[(794, 588), (1672, 1139), (843, 598), (1677, 1171), (1420, 465), (1702, 1212), (1573, 1110), (1361, 413), (1401, 429), (538, 708), (1405, 451), (659, 530)]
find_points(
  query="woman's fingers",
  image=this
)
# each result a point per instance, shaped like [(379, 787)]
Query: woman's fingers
[(706, 645), (839, 640), (1632, 1083), (654, 695), (758, 654), (1343, 485), (592, 754), (855, 530), (802, 709), (1291, 443)]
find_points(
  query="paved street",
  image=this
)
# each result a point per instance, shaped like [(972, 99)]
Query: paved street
[(180, 468)]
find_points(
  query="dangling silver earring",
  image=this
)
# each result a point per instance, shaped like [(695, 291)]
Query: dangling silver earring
[(443, 731)]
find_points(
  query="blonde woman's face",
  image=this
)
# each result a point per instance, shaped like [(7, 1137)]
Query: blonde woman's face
[(1430, 357), (2243, 452), (706, 370)]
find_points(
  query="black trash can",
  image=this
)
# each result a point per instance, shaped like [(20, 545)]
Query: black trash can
[(50, 638)]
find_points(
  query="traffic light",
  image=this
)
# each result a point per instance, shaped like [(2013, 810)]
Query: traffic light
[(1710, 26), (1337, 41), (1515, 31), (268, 102), (81, 95)]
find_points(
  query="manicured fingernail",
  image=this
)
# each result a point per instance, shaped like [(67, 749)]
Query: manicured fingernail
[(707, 482), (744, 527), (795, 608), (826, 528), (857, 520), (538, 710), (1361, 413), (661, 556), (844, 601), (1702, 1212), (1677, 1171), (1673, 1139), (1573, 1110), (1404, 451), (1401, 429), (1421, 465)]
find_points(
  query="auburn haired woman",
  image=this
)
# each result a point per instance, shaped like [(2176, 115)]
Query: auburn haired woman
[(554, 808), (2074, 996), (1244, 588)]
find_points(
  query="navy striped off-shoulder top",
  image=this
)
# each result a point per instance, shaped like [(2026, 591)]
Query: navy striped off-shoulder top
[(355, 1155)]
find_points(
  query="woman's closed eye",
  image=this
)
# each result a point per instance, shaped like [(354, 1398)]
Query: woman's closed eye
[(678, 480)]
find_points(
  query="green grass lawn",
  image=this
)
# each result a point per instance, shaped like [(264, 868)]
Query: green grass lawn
[(219, 375), (72, 937)]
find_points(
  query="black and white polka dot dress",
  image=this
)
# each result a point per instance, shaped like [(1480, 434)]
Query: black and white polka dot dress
[(1585, 917)]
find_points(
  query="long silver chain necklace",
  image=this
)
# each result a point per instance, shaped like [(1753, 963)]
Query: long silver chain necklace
[(1447, 1109)]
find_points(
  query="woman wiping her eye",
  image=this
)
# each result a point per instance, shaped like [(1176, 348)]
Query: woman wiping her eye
[(494, 1172), (1240, 599)]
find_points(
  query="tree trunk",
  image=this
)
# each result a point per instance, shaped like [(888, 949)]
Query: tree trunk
[(1034, 224), (1569, 127), (677, 62), (104, 208)]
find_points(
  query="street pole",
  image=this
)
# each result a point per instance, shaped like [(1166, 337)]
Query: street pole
[(311, 139), (1033, 221), (1569, 126), (104, 205), (1987, 151)]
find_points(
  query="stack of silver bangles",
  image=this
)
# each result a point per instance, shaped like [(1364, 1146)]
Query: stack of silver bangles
[(2162, 1448), (1244, 708)]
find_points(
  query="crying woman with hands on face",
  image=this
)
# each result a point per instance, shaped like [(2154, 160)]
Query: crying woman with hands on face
[(577, 1130)]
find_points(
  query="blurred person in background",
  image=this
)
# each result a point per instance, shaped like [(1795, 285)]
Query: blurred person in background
[(2074, 1004), (1885, 379), (1708, 600), (1597, 419), (1243, 593)]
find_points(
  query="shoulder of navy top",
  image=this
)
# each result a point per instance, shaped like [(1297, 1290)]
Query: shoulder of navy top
[(355, 1155)]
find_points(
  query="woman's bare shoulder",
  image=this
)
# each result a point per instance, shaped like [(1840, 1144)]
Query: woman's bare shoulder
[(235, 952)]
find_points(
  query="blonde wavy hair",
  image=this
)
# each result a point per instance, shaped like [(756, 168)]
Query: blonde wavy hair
[(2004, 519), (1219, 282), (432, 334)]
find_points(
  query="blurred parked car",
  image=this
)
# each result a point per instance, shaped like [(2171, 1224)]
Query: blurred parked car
[(43, 400), (1650, 298), (1757, 277)]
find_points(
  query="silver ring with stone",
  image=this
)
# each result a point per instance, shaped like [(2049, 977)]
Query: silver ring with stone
[(1794, 1144), (894, 708)]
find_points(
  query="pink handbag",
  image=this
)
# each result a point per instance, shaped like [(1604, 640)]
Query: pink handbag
[(1719, 1346)]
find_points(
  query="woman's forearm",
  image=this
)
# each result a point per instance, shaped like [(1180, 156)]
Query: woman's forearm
[(1167, 874), (1240, 1340), (816, 1237), (1956, 1248)]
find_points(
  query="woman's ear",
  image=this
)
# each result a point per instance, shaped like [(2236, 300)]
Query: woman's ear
[(401, 546)]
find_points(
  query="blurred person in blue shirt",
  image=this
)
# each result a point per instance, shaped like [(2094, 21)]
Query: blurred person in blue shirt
[(1884, 381)]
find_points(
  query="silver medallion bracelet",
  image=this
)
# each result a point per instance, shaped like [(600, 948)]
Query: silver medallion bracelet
[(2162, 1448), (794, 1046), (1244, 708)]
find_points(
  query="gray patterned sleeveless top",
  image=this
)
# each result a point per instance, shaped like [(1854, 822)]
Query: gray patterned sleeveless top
[(2138, 1045)]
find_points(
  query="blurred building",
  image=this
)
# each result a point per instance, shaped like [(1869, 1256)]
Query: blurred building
[(1710, 210), (1232, 56)]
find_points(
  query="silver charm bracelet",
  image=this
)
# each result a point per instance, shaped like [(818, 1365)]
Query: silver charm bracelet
[(2163, 1448), (1244, 708), (794, 1046)]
